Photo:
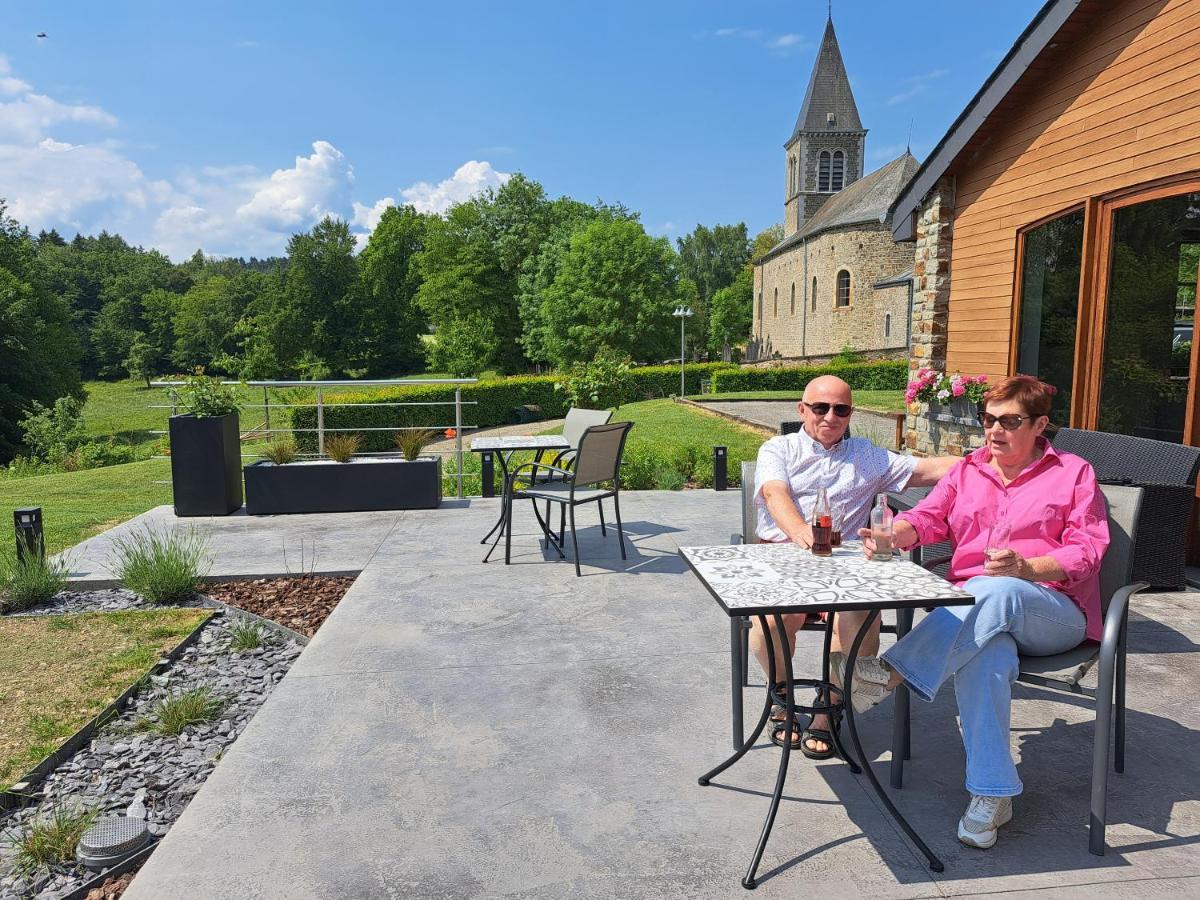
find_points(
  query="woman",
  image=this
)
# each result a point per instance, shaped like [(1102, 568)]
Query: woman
[(1036, 592)]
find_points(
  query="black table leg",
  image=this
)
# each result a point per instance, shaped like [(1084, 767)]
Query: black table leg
[(503, 502), (934, 862)]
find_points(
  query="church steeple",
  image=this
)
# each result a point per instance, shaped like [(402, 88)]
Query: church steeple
[(825, 150)]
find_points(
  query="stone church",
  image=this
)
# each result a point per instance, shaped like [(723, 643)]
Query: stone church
[(836, 279)]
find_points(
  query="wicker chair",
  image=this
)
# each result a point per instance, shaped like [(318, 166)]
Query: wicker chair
[(1167, 473)]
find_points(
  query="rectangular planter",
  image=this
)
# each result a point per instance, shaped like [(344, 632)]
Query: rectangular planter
[(327, 486), (206, 463)]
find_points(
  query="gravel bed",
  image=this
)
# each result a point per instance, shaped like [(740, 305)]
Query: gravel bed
[(105, 600), (125, 770)]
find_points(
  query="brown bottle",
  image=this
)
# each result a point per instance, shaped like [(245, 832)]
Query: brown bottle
[(822, 525)]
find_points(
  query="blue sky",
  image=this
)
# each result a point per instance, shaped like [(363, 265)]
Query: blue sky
[(228, 126)]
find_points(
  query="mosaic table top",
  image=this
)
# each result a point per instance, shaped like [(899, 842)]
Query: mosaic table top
[(520, 442), (752, 578)]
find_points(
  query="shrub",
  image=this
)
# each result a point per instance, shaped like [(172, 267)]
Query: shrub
[(600, 384), (888, 375), (280, 451), (173, 714), (51, 433), (30, 581), (245, 634), (341, 447), (205, 396), (412, 441), (162, 567), (51, 839), (669, 478)]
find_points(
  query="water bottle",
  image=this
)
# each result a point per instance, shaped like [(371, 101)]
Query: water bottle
[(822, 526), (881, 529)]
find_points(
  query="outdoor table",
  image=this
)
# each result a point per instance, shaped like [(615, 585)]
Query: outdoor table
[(775, 580), (501, 449)]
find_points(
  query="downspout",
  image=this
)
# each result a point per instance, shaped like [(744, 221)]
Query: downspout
[(804, 313), (908, 318)]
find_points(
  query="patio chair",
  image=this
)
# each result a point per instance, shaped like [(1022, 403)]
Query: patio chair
[(1064, 671), (739, 626), (1167, 473), (597, 462), (577, 422)]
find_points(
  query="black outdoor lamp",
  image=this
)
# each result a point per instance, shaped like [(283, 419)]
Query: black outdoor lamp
[(720, 468), (30, 539)]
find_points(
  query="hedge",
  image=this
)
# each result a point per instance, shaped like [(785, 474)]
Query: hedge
[(889, 375), (493, 403)]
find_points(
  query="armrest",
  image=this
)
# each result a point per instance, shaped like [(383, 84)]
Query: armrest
[(1115, 617), (534, 466), (936, 561)]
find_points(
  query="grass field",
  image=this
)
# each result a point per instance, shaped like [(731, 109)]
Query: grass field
[(77, 505), (882, 401), (60, 671)]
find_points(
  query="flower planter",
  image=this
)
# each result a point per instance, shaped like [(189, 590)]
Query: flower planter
[(356, 486), (960, 409), (206, 462)]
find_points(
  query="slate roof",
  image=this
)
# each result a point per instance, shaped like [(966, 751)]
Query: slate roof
[(863, 202), (828, 92)]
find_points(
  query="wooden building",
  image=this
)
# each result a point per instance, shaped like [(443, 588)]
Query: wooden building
[(1057, 224)]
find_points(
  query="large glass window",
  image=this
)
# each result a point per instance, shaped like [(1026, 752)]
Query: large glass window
[(843, 288), (1049, 306), (1150, 316)]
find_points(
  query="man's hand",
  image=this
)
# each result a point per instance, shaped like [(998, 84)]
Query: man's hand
[(1007, 563), (803, 536)]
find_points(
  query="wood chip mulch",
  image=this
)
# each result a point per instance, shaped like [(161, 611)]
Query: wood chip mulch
[(300, 604), (112, 888)]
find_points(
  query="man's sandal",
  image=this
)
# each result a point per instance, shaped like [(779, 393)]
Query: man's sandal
[(819, 734)]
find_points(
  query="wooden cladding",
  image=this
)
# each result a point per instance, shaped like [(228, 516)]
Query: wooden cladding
[(1115, 108)]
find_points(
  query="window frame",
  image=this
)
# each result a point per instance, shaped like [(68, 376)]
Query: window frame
[(824, 171), (837, 289), (837, 173)]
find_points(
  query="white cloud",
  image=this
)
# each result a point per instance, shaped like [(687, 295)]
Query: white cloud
[(784, 41), (469, 179), (84, 181), (918, 84), (781, 44)]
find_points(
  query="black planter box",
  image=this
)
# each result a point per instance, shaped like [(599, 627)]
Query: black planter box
[(206, 463), (326, 486)]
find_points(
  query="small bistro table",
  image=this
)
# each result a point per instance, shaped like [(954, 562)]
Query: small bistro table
[(501, 449), (773, 580)]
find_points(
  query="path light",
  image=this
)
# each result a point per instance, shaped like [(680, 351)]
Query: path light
[(683, 313), (111, 841), (28, 522)]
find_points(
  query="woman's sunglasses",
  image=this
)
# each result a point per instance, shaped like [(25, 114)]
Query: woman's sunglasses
[(841, 410), (1010, 422)]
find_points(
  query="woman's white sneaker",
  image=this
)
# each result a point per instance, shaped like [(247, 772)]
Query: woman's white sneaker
[(981, 823)]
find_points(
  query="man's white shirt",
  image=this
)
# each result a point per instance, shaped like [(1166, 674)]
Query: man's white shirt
[(852, 472)]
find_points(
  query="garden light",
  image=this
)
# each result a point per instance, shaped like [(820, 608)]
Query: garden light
[(28, 522), (683, 313)]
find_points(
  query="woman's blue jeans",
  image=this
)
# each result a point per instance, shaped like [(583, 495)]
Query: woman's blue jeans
[(978, 646)]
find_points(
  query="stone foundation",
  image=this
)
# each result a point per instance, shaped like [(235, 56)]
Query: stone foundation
[(937, 433)]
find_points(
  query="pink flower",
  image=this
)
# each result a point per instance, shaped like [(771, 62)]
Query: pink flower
[(958, 389)]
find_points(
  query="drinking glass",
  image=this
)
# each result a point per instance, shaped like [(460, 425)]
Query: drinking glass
[(998, 537), (836, 538)]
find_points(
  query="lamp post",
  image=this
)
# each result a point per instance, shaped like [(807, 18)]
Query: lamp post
[(682, 313)]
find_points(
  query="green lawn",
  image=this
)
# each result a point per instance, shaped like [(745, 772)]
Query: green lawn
[(883, 401), (77, 505), (60, 671)]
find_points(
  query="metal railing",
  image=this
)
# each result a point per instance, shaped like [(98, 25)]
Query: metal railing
[(321, 404)]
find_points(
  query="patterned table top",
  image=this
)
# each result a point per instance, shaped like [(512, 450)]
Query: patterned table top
[(767, 578), (520, 442)]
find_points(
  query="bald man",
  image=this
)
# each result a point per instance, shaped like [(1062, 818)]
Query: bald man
[(791, 469)]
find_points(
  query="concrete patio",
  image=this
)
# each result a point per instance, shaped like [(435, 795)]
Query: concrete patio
[(458, 729)]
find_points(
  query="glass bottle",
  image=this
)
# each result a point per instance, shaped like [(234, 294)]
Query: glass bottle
[(881, 529), (822, 525)]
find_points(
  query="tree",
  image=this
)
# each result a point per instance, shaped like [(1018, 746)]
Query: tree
[(392, 321), (614, 288), (765, 240), (732, 314), (39, 353), (205, 318), (711, 260), (141, 360), (465, 347)]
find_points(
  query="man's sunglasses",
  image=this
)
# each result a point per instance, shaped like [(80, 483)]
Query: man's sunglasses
[(841, 410), (1010, 422)]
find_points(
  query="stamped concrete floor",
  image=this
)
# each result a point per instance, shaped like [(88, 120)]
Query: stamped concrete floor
[(460, 730)]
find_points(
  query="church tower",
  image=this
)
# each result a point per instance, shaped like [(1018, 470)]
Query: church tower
[(825, 151)]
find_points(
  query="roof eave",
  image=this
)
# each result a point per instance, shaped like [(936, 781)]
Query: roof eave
[(1029, 45)]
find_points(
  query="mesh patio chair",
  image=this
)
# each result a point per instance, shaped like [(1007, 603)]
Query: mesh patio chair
[(597, 463), (1065, 671), (577, 422), (1167, 473)]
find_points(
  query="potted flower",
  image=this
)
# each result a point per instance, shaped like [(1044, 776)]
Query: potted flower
[(206, 450), (959, 395)]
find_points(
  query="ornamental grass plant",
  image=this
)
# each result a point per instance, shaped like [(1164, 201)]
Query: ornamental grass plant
[(173, 714), (281, 451), (29, 581), (342, 447), (412, 441), (51, 838), (161, 566)]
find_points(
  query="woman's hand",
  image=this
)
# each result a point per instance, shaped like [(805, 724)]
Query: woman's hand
[(868, 542), (1007, 563)]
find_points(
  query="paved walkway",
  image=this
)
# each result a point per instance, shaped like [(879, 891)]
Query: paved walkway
[(462, 730), (769, 414)]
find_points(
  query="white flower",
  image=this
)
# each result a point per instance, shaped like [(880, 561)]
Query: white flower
[(943, 394)]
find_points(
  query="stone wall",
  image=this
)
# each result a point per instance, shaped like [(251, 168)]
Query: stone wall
[(931, 305), (869, 254), (938, 433)]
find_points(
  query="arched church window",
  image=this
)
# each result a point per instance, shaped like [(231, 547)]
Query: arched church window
[(843, 288), (793, 298), (839, 171), (824, 164), (887, 325), (814, 294)]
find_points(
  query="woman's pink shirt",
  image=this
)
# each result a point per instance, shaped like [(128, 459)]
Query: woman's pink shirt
[(1054, 506)]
